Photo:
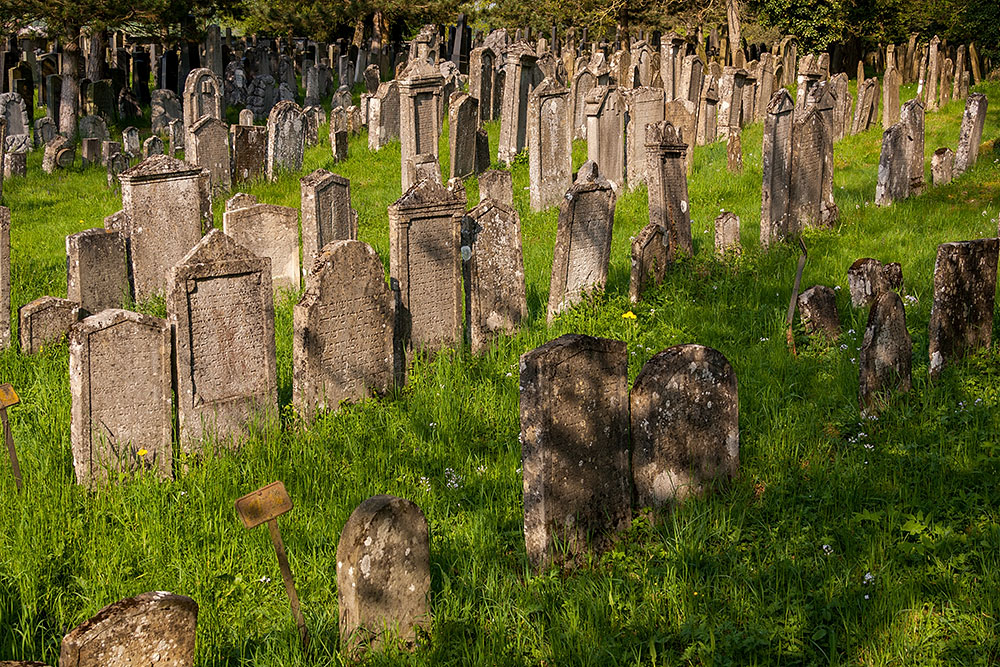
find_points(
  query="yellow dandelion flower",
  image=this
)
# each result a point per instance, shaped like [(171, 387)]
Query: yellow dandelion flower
[(142, 452), (628, 316)]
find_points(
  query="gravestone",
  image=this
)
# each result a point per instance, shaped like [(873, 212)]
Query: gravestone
[(912, 117), (521, 75), (644, 106), (221, 307), (685, 425), (842, 116), (481, 80), (890, 97), (130, 142), (315, 116), (165, 107), (383, 575), (649, 260), (965, 280), (708, 111), (156, 627), (973, 119), (327, 215), (90, 152), (583, 82), (886, 353), (58, 153), (129, 107), (269, 231), (262, 95), (419, 113), (122, 399), (246, 117), (383, 115), (249, 152), (338, 145), (93, 127), (45, 131), (550, 144), (167, 205), (425, 261), (942, 166), (583, 240), (285, 139), (4, 277), (730, 109), (208, 147), (344, 327), (497, 184), (818, 310), (152, 146), (605, 109), (727, 234), (574, 447), (45, 321), (893, 183), (867, 278), (776, 166), (866, 111), (496, 300), (668, 196), (203, 97), (177, 136), (463, 121), (97, 270), (683, 115), (808, 173)]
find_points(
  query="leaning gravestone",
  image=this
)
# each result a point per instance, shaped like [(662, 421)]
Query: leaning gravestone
[(649, 260), (425, 261), (973, 119), (463, 121), (685, 424), (574, 447), (344, 326), (818, 309), (327, 215), (965, 281), (886, 352), (267, 230), (152, 628), (285, 138), (496, 184), (383, 575), (59, 145), (120, 383), (583, 240), (4, 277), (45, 321), (666, 176), (97, 268), (221, 306), (494, 272)]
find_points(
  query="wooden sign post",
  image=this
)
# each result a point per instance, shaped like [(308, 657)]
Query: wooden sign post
[(8, 397), (267, 504)]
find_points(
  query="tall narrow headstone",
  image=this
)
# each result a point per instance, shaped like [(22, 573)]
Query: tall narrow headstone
[(208, 147), (550, 144), (286, 138), (521, 76), (890, 97), (893, 182), (383, 115), (911, 115), (327, 215), (973, 119), (669, 207), (777, 169), (886, 353), (645, 106), (420, 90), (463, 121), (605, 109)]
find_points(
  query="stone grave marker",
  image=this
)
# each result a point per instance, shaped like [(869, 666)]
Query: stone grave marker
[(246, 117), (645, 105), (776, 166), (867, 278), (130, 142), (886, 353), (269, 231), (649, 260), (667, 179), (496, 184), (338, 145), (45, 321), (605, 109), (383, 115), (97, 268), (727, 234), (973, 119), (463, 121), (177, 136), (942, 166), (152, 146), (550, 144), (208, 147), (818, 309), (912, 116), (521, 75), (249, 152), (893, 183), (285, 138), (327, 215), (420, 105)]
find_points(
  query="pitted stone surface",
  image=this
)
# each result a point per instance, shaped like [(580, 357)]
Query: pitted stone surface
[(886, 354), (46, 321), (818, 309)]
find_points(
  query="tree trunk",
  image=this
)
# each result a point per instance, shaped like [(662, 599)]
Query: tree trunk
[(95, 58), (733, 16), (70, 98)]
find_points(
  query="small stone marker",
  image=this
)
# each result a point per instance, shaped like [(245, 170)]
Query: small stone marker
[(973, 119), (122, 396), (152, 628), (46, 321), (685, 424), (942, 166), (383, 575), (97, 268), (734, 151), (818, 310), (338, 145), (965, 281), (867, 278), (9, 398), (649, 260), (496, 184), (574, 447), (727, 234), (266, 505), (886, 353)]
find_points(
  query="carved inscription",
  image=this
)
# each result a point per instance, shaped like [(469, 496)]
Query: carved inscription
[(588, 251), (433, 273), (425, 124)]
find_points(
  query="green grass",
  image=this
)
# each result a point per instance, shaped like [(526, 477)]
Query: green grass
[(737, 578)]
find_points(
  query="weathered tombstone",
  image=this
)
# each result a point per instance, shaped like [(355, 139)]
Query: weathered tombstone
[(203, 96), (262, 95), (97, 270), (734, 151), (425, 261), (496, 298), (708, 111), (550, 144), (866, 111), (942, 166), (730, 108), (269, 231), (463, 121), (46, 321), (497, 184), (344, 326), (338, 145), (45, 131), (130, 142), (208, 147), (90, 152), (838, 86), (669, 207), (805, 192), (818, 309), (421, 167), (944, 90), (890, 97), (727, 234), (285, 138), (685, 425), (383, 575), (893, 183), (94, 127), (777, 167), (574, 447), (327, 215), (4, 277), (122, 399), (221, 307), (152, 146), (249, 152), (156, 627), (481, 80), (965, 280), (315, 116), (912, 116), (867, 278), (886, 353), (246, 117), (583, 240), (383, 115), (649, 260), (521, 75), (644, 106), (165, 107), (583, 82), (419, 113), (605, 109), (973, 119)]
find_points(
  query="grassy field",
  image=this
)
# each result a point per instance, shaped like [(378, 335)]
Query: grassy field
[(843, 541)]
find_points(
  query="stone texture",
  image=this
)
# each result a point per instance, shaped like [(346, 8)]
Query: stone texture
[(463, 121), (645, 105), (867, 278), (424, 260), (574, 447), (497, 184), (327, 215), (727, 234), (383, 115), (776, 167), (203, 97), (605, 109), (344, 325), (912, 116), (649, 260), (893, 182), (668, 196), (973, 119), (208, 147), (550, 144), (942, 166), (97, 268), (383, 575), (496, 296), (271, 231), (886, 352), (338, 145), (286, 138), (965, 280), (249, 152), (685, 425), (165, 107), (220, 306), (152, 146), (419, 114), (818, 310), (122, 397), (583, 240), (45, 321), (521, 75), (156, 627)]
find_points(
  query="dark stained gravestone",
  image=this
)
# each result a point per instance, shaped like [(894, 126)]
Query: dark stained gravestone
[(777, 168), (249, 152), (818, 309), (886, 353), (327, 215), (973, 119), (649, 260)]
